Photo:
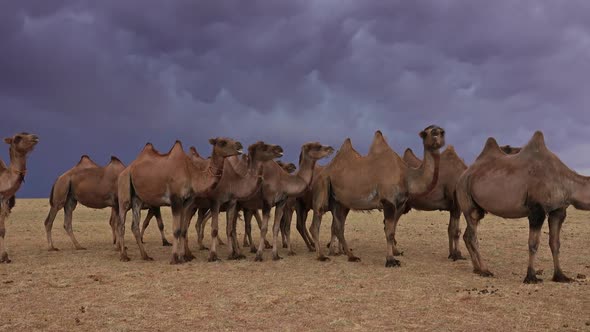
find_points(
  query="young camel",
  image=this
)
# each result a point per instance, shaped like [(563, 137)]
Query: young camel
[(442, 197), (92, 186), (171, 179), (533, 183), (232, 188), (380, 180), (278, 186), (11, 178)]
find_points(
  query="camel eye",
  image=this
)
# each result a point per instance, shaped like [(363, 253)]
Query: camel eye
[(222, 144), (17, 139)]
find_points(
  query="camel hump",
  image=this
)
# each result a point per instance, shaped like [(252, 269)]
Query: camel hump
[(379, 143), (347, 144), (490, 149), (115, 160), (194, 152), (176, 147), (537, 143), (450, 155), (85, 161)]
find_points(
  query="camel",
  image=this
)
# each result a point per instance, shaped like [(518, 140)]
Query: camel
[(173, 179), (443, 196), (532, 183), (379, 180), (11, 178), (93, 186), (278, 186), (231, 188)]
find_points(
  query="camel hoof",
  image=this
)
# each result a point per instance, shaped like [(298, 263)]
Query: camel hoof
[(236, 257), (166, 244), (189, 257), (245, 244), (80, 248), (276, 258), (147, 258), (392, 262), (532, 280), (52, 249), (5, 259), (398, 253), (175, 259), (311, 249), (291, 253), (485, 274), (124, 258), (285, 246), (220, 242), (323, 259), (258, 258), (354, 259), (213, 258), (253, 250), (267, 245), (560, 277), (456, 256), (203, 248)]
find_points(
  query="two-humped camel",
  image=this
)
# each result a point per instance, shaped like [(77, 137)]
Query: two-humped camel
[(379, 180), (278, 186), (442, 197), (93, 186), (241, 180), (533, 183), (173, 179), (11, 178)]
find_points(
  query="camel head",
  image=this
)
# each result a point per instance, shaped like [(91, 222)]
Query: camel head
[(316, 151), (433, 137), (264, 152), (22, 143), (226, 147), (288, 167)]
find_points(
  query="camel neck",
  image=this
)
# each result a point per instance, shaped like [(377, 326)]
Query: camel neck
[(216, 163), (305, 172), (18, 162), (422, 180)]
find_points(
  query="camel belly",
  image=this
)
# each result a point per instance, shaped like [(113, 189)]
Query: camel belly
[(501, 197)]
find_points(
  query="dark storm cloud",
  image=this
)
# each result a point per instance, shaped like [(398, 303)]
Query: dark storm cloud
[(105, 77)]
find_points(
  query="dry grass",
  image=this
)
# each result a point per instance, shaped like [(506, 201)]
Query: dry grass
[(91, 290)]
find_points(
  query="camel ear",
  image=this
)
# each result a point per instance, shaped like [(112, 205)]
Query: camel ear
[(212, 141), (423, 134), (8, 140)]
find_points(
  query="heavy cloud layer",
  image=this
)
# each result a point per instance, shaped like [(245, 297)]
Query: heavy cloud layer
[(105, 77)]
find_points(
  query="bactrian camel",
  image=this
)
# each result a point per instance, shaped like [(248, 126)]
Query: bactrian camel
[(93, 186), (173, 179), (532, 183), (379, 180), (11, 178)]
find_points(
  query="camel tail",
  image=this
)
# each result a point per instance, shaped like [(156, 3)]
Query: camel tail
[(51, 195)]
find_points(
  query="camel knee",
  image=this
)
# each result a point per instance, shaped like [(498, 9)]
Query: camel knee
[(161, 226), (177, 233), (2, 232)]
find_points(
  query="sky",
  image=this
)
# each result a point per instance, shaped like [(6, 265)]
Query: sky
[(105, 77)]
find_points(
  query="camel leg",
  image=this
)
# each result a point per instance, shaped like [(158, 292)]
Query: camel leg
[(248, 229), (49, 225), (146, 222), (177, 226), (335, 247), (339, 215), (556, 219), (390, 213), (454, 232), (536, 219), (113, 224), (187, 215), (279, 210), (470, 237), (256, 214), (136, 217), (301, 219), (287, 218), (263, 229), (4, 212), (315, 233), (200, 227), (123, 208), (158, 214), (68, 211), (214, 234), (283, 229), (232, 240)]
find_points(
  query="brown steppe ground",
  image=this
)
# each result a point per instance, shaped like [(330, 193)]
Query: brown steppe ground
[(92, 290)]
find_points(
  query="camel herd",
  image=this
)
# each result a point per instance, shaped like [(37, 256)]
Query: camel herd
[(508, 182)]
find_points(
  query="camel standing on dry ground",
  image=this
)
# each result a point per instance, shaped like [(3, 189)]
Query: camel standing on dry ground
[(442, 197), (380, 180), (93, 186), (241, 180), (11, 178), (533, 183), (173, 179), (278, 186)]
